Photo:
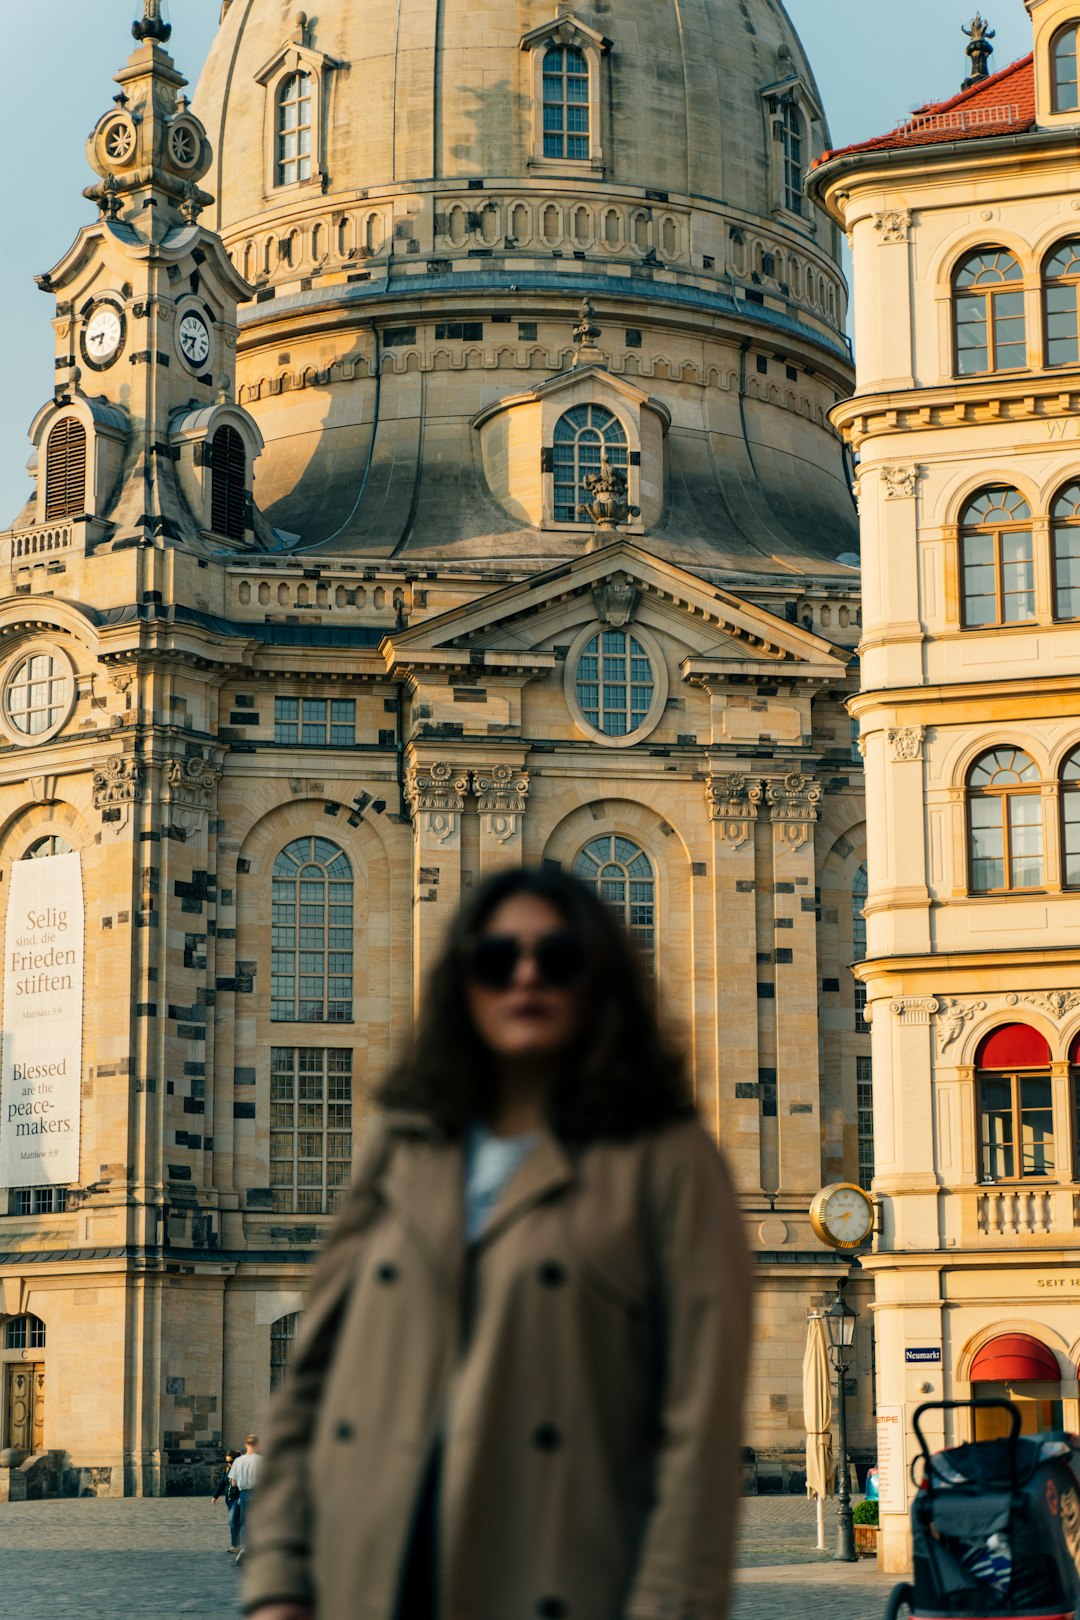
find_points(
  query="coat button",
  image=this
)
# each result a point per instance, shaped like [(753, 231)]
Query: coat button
[(552, 1274), (387, 1272), (344, 1431), (551, 1608), (547, 1437)]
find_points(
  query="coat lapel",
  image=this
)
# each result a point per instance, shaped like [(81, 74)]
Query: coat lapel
[(545, 1171), (424, 1184)]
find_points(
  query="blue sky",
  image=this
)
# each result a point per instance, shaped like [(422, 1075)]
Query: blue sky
[(874, 61)]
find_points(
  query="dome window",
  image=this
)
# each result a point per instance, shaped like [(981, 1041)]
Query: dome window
[(294, 129), (38, 695), (1063, 54), (581, 435), (566, 102), (564, 57), (793, 142)]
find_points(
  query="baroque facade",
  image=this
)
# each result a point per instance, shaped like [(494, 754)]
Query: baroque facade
[(966, 244), (438, 475)]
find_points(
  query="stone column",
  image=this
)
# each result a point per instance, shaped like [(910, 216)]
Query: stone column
[(436, 792), (501, 792)]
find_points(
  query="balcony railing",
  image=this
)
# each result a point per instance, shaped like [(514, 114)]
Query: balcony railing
[(1007, 1212), (49, 538)]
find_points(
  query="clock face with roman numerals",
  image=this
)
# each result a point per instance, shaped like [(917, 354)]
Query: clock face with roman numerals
[(103, 336), (194, 339)]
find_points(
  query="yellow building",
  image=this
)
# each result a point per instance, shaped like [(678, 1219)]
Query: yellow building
[(966, 242), (438, 475)]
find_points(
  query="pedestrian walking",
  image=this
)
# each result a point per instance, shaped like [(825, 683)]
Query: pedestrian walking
[(226, 1488), (518, 1385), (243, 1477)]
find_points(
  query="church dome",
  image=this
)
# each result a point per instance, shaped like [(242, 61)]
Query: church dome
[(415, 190)]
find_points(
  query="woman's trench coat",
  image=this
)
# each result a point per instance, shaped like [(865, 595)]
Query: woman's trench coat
[(582, 1366)]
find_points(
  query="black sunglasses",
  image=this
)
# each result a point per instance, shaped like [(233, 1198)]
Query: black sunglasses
[(492, 960)]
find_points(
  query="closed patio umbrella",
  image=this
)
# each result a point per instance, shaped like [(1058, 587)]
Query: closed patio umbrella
[(817, 1417)]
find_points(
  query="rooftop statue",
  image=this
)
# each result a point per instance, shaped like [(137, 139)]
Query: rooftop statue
[(979, 50)]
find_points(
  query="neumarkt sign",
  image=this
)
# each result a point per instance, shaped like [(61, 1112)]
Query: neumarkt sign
[(41, 1069)]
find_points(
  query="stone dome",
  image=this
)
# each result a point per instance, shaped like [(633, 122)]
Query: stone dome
[(422, 195)]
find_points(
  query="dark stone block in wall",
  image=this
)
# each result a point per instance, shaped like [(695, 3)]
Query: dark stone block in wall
[(747, 1088), (783, 888), (807, 904), (784, 922), (146, 1009), (194, 1105), (260, 1198), (243, 1077), (766, 992), (174, 1386), (801, 1108), (179, 1172), (784, 954), (699, 869), (243, 1110), (830, 986), (745, 886)]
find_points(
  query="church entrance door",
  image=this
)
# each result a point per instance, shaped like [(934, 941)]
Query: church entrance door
[(24, 1406)]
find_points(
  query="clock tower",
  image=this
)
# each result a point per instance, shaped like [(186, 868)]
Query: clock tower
[(142, 440)]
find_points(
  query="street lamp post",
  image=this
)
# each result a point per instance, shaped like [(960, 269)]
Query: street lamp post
[(840, 1321)]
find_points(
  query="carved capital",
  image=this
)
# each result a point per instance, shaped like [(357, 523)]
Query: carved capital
[(906, 742), (894, 225), (501, 792), (119, 781), (733, 802), (793, 803), (436, 795), (915, 1009), (954, 1014), (899, 482)]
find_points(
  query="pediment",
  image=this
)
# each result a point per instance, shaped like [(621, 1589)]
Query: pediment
[(295, 56), (565, 29), (589, 383), (510, 626)]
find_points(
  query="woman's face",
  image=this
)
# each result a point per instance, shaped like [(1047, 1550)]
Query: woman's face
[(529, 1019)]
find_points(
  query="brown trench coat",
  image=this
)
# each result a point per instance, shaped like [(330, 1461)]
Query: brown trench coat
[(584, 1365)]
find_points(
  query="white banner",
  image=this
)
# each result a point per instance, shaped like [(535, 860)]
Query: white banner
[(41, 1071)]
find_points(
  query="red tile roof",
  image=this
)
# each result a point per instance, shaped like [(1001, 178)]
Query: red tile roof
[(1003, 104)]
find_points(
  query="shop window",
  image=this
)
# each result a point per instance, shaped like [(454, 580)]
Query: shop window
[(294, 129), (312, 934), (228, 484), (65, 470), (1005, 828), (581, 436), (315, 722), (988, 298), (1065, 540), (1061, 286), (998, 561), (1063, 56), (1017, 1367), (622, 875), (1015, 1101), (310, 1128), (566, 102), (282, 1334), (25, 1333)]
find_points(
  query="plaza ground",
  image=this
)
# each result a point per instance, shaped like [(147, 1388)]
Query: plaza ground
[(105, 1559)]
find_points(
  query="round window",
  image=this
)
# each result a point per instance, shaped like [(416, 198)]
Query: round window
[(617, 682), (37, 695)]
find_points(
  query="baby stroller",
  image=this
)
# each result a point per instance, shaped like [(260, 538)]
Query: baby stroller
[(995, 1527)]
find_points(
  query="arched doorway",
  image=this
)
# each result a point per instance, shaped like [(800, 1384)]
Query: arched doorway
[(23, 1358), (1018, 1368)]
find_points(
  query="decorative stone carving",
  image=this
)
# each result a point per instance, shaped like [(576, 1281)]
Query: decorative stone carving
[(616, 600), (43, 788), (954, 1015), (189, 790), (906, 742), (1055, 1003), (733, 801), (915, 1009), (118, 781), (152, 25), (793, 803), (436, 795), (893, 226), (979, 50), (609, 505), (899, 482), (501, 792)]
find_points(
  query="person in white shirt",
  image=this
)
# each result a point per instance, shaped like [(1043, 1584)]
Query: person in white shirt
[(244, 1474)]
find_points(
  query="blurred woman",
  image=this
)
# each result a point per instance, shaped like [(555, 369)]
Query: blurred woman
[(517, 1390)]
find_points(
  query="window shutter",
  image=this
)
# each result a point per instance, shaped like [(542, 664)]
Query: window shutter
[(65, 470), (228, 481)]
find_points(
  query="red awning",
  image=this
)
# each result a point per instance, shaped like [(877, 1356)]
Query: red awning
[(1015, 1358), (1013, 1046)]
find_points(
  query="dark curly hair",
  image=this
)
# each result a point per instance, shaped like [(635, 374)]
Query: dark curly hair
[(625, 1075)]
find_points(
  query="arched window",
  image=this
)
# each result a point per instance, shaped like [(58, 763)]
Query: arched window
[(1016, 1104), (989, 313), (1061, 284), (65, 470), (1065, 541), (1023, 1370), (1070, 821), (622, 875), (25, 1333), (1005, 822), (312, 943), (294, 129), (228, 484), (792, 139), (566, 102), (51, 844), (282, 1334), (615, 682), (580, 436), (998, 559), (1063, 56)]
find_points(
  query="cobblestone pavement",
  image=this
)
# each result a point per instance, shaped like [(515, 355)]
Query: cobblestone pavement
[(160, 1560)]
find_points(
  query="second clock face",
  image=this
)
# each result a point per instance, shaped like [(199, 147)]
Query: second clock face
[(848, 1216), (194, 339), (103, 336)]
